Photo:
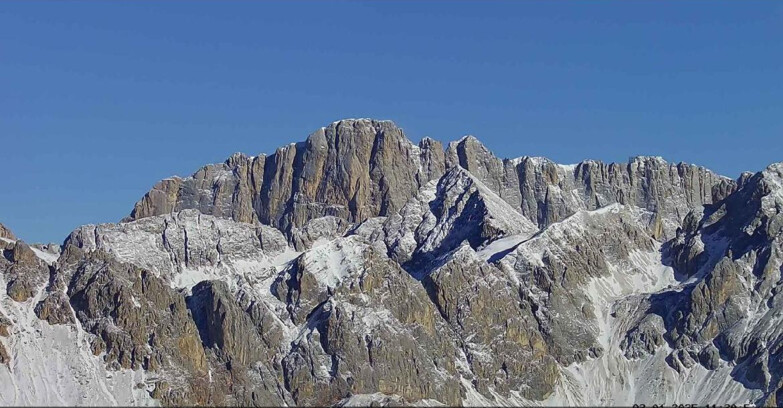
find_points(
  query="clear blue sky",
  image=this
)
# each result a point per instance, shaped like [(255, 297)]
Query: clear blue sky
[(99, 100)]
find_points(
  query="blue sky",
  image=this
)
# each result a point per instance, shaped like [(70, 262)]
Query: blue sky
[(99, 100)]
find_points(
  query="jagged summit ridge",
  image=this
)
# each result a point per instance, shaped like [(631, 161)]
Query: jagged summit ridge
[(356, 169), (353, 169), (546, 192)]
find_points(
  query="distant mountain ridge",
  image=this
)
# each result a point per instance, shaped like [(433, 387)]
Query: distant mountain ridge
[(359, 268)]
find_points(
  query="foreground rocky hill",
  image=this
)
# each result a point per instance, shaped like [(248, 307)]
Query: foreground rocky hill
[(359, 268)]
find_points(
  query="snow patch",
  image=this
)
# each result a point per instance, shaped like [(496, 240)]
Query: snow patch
[(332, 262), (47, 257), (52, 365), (501, 245), (613, 379)]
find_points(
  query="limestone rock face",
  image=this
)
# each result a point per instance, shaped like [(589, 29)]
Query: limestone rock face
[(199, 348), (222, 324), (317, 230), (457, 208), (235, 341), (55, 309), (24, 271), (357, 336), (552, 267), (731, 251), (499, 337), (499, 175), (6, 233), (186, 243), (352, 169), (206, 343), (5, 325), (4, 357), (546, 192), (138, 320)]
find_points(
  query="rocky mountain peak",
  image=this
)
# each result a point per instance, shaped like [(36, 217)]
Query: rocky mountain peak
[(469, 153), (648, 159), (6, 233), (353, 169), (773, 175)]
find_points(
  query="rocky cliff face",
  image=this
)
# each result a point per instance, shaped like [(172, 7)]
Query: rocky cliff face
[(729, 313), (358, 268), (6, 233), (546, 192), (352, 169)]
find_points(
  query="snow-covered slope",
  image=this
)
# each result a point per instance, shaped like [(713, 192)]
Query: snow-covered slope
[(52, 365)]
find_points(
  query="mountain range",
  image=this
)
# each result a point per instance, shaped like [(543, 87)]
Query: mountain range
[(359, 268)]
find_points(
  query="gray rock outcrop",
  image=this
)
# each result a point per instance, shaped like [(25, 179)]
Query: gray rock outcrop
[(352, 169), (24, 271), (6, 233), (732, 252), (546, 192), (5, 325)]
